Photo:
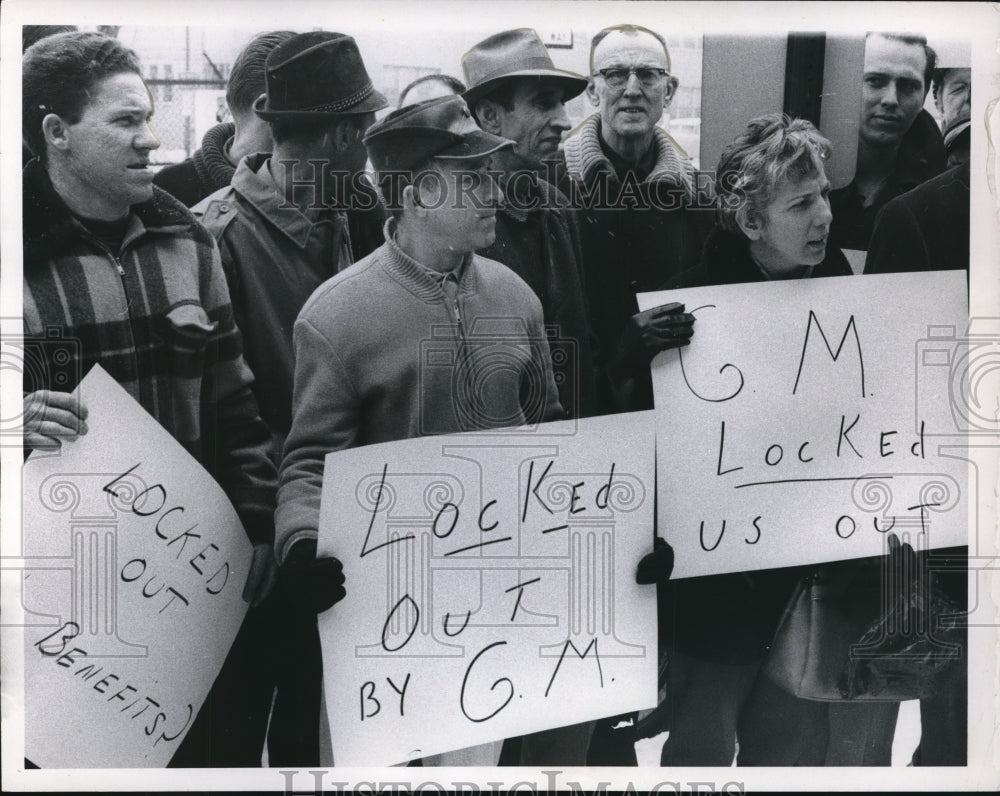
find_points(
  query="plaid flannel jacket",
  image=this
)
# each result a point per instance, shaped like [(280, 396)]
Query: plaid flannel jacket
[(157, 316)]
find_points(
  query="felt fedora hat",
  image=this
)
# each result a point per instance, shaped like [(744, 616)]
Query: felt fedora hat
[(436, 128), (513, 53), (319, 73)]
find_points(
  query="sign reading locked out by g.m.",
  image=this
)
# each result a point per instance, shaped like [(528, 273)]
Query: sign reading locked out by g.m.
[(490, 586), (135, 563)]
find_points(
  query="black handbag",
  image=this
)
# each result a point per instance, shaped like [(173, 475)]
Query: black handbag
[(843, 637)]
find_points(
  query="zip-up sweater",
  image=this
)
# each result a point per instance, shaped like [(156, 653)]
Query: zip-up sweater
[(156, 315), (383, 353)]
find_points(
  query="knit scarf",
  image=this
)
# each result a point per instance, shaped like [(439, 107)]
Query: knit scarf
[(584, 157), (210, 162)]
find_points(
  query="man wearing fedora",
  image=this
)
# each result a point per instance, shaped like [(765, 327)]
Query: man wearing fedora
[(361, 371), (643, 214), (291, 220), (288, 222), (515, 91)]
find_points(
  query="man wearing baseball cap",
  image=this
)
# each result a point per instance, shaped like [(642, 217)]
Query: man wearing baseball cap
[(288, 222), (360, 377), (515, 91)]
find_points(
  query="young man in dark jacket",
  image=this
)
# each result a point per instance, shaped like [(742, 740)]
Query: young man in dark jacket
[(288, 222), (899, 143)]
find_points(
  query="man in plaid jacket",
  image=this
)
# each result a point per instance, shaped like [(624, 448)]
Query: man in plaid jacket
[(126, 271)]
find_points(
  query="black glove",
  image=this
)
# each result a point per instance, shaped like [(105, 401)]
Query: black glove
[(647, 334), (656, 567), (317, 582)]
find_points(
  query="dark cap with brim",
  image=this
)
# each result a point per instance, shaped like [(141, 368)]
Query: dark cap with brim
[(437, 128)]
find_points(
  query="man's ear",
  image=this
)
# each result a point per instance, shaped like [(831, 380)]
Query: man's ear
[(670, 90), (591, 92), (56, 131), (488, 113), (345, 132), (411, 202), (749, 222)]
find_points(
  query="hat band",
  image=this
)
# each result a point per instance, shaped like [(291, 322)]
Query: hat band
[(340, 105), (535, 62)]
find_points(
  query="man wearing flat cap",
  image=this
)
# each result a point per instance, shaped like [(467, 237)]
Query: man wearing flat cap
[(287, 223), (515, 91), (361, 374), (643, 213)]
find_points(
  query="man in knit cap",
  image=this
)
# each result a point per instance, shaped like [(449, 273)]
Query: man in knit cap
[(359, 372)]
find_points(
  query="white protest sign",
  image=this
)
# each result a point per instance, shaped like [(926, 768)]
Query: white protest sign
[(808, 418), (135, 562), (490, 586)]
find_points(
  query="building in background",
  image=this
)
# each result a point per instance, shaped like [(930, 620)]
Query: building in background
[(186, 69)]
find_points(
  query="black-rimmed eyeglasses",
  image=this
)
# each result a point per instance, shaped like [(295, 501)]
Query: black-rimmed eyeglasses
[(616, 77)]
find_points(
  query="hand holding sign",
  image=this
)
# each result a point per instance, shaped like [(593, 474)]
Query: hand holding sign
[(648, 333), (134, 566), (656, 567), (51, 417), (318, 582)]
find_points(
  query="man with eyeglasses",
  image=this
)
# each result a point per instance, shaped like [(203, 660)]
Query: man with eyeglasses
[(636, 192)]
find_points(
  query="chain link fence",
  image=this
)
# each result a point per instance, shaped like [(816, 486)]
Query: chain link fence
[(185, 109)]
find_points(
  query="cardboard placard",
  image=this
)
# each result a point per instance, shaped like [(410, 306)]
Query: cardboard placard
[(490, 586), (808, 418), (135, 563)]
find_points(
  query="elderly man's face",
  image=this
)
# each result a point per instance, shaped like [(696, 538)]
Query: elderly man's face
[(632, 109), (954, 96), (893, 90), (107, 151)]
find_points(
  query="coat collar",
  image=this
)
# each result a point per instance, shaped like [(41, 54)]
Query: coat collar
[(49, 226), (252, 180), (727, 260), (419, 279), (211, 161), (584, 157)]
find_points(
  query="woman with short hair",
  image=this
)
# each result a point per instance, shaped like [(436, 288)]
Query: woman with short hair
[(773, 209)]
